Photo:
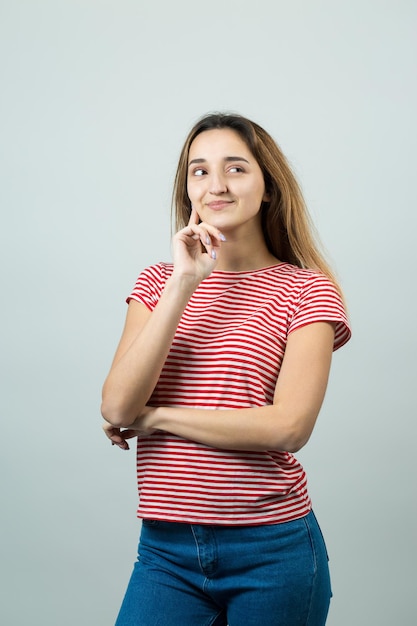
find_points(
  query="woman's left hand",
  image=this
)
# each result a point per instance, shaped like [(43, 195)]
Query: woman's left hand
[(141, 426)]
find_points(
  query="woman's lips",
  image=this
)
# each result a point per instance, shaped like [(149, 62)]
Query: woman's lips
[(217, 205)]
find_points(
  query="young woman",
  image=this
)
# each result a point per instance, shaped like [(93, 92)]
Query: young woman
[(220, 374)]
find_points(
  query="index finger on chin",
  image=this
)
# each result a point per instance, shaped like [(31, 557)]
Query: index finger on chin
[(194, 217)]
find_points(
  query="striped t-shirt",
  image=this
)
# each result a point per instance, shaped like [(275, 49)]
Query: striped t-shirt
[(226, 354)]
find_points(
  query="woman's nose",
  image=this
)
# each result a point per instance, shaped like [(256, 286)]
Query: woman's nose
[(217, 184)]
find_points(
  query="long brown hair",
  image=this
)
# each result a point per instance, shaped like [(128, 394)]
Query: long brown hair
[(287, 228)]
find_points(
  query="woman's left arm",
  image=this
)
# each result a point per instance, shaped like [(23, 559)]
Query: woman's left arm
[(285, 425)]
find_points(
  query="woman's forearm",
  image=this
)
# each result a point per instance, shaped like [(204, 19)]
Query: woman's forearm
[(286, 424), (271, 427), (134, 375)]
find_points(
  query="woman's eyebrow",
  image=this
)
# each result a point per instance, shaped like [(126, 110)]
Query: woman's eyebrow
[(226, 159), (235, 158)]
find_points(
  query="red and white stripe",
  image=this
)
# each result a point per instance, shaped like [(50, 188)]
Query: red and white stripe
[(226, 354)]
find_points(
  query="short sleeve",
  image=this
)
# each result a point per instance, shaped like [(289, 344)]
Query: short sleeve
[(150, 285), (320, 301)]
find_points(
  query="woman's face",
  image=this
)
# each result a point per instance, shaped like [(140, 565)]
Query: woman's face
[(224, 182)]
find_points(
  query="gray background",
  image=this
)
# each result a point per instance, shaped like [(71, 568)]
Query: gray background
[(96, 99)]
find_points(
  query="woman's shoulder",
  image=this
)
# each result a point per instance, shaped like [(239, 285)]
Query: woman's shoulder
[(159, 271), (150, 283), (298, 275), (305, 283)]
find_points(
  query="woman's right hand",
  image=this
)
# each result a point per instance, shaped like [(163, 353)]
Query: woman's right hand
[(147, 337), (196, 249)]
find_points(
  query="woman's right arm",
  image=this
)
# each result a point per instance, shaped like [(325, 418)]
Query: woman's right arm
[(142, 352), (147, 336)]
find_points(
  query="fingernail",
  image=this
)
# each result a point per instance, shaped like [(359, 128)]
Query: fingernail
[(222, 237), (213, 254), (207, 240)]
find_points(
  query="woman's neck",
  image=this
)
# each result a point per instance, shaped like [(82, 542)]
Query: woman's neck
[(240, 256)]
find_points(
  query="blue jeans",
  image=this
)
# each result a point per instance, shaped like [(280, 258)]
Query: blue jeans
[(201, 575)]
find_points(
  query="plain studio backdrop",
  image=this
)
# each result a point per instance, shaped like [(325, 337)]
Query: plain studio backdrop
[(96, 98)]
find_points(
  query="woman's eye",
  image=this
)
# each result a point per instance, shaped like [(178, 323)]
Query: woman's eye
[(235, 169), (199, 172)]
